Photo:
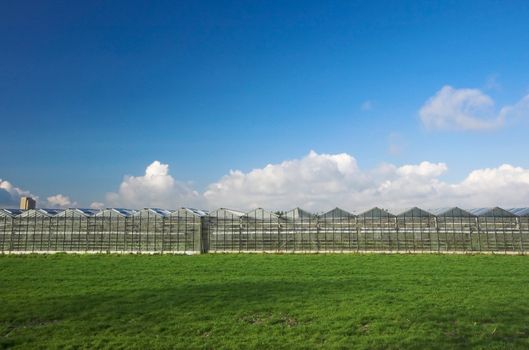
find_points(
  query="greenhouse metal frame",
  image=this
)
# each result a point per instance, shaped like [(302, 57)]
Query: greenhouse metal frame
[(192, 231)]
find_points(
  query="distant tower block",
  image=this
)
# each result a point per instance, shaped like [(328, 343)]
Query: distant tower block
[(27, 203)]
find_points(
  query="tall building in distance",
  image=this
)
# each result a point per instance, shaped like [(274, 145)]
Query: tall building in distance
[(27, 203)]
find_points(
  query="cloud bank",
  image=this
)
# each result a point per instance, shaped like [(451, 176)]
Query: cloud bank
[(323, 181), (315, 182)]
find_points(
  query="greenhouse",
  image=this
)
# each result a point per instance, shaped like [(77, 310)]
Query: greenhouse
[(188, 230)]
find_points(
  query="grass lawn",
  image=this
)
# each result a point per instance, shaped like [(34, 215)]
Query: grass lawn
[(264, 301)]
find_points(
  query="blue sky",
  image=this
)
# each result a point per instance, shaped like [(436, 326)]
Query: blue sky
[(92, 91)]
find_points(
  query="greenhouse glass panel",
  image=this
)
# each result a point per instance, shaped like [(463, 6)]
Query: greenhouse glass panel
[(6, 225), (456, 231), (377, 231), (415, 228), (300, 231), (337, 231), (183, 230), (499, 228), (225, 230), (260, 231)]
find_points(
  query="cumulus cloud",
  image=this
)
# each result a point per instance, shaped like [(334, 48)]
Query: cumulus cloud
[(317, 179), (468, 109), (322, 181), (97, 205), (505, 185), (60, 201), (516, 112), (156, 188), (460, 109), (10, 194)]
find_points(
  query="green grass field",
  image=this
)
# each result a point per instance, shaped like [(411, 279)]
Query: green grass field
[(264, 301)]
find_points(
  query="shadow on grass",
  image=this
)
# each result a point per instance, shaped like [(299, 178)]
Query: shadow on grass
[(288, 312)]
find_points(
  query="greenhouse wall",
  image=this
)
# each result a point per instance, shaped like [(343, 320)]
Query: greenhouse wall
[(189, 231)]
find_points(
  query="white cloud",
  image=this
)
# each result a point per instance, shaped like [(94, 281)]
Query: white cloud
[(322, 181), (516, 112), (97, 205), (10, 195), (60, 201), (460, 109), (316, 182), (317, 179), (468, 109), (505, 185), (157, 188)]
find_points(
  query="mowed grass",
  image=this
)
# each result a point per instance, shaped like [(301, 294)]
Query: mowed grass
[(264, 301)]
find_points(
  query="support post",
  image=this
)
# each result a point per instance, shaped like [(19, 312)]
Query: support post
[(202, 238)]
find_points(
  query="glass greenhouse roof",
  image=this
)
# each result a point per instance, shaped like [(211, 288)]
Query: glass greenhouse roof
[(454, 212), (120, 211), (155, 211), (261, 213), (519, 211), (12, 212), (51, 212), (88, 211), (185, 211), (223, 212), (376, 212), (337, 213), (197, 212), (496, 211), (415, 212), (298, 213)]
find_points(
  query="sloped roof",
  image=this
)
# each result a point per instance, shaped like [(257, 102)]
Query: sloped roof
[(376, 212), (77, 212), (10, 212), (51, 212), (336, 213), (491, 212), (262, 214), (297, 213), (152, 211), (188, 211), (34, 213), (519, 211), (415, 212), (119, 211), (226, 213), (454, 212)]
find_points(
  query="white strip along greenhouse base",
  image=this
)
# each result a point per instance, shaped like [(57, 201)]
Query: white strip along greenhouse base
[(191, 231)]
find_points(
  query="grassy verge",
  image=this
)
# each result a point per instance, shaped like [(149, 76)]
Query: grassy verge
[(264, 301)]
